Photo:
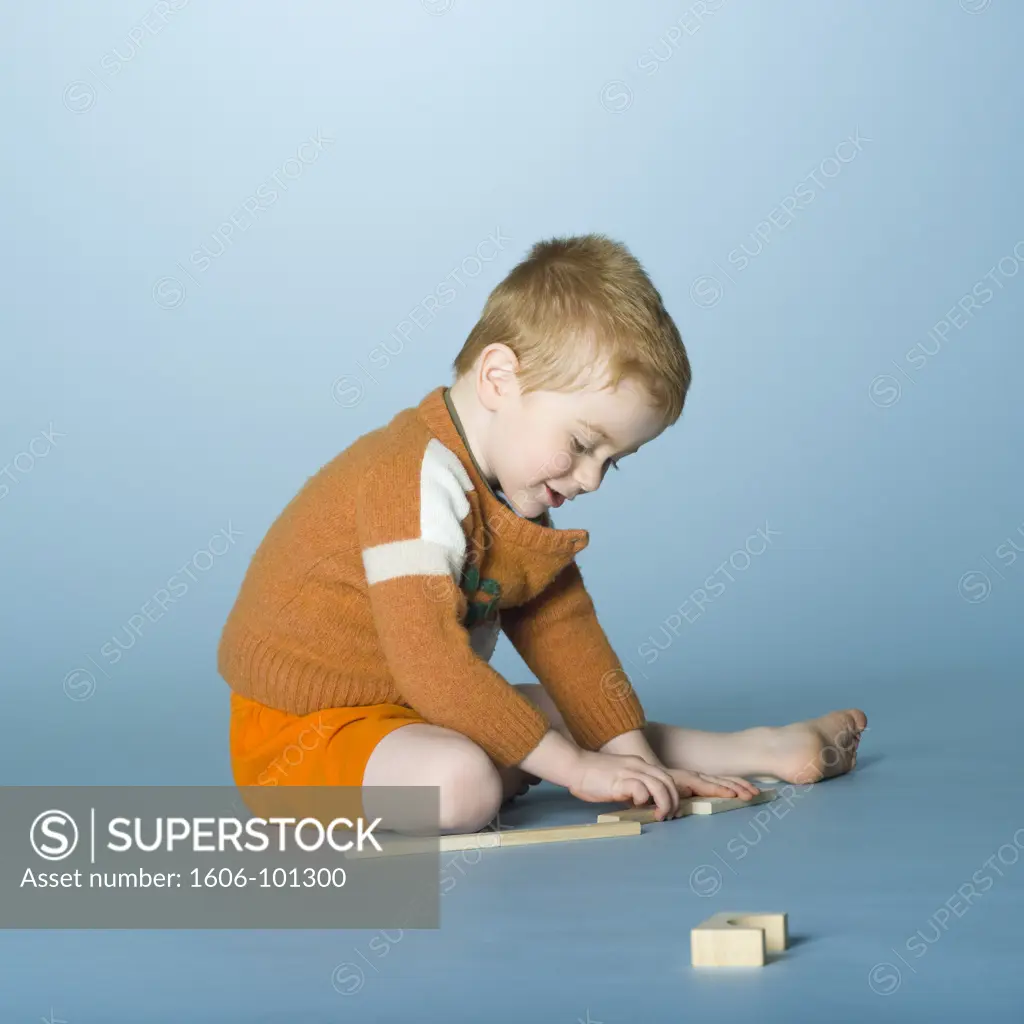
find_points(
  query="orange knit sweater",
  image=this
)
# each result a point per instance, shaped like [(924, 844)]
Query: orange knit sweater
[(387, 579)]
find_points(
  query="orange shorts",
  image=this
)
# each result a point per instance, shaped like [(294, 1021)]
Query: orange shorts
[(271, 749), (325, 748)]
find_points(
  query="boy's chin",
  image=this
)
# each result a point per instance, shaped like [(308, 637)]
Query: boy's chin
[(530, 507)]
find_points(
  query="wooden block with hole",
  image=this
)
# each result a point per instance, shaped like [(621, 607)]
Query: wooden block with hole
[(736, 939), (394, 846), (690, 805)]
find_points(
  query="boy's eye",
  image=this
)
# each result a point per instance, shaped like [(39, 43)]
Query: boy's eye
[(579, 449)]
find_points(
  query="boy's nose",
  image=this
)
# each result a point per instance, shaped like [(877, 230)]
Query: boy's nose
[(588, 478), (585, 482)]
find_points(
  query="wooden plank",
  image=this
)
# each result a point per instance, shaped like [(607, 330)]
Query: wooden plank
[(398, 845), (569, 833), (690, 805)]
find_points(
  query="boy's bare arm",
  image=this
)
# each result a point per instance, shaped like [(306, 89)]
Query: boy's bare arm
[(633, 742), (557, 759), (602, 777), (554, 759)]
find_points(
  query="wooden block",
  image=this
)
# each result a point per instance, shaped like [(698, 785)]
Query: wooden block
[(642, 815), (690, 805), (735, 939), (715, 804), (490, 840)]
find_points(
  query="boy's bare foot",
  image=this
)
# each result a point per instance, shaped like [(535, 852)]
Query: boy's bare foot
[(816, 749)]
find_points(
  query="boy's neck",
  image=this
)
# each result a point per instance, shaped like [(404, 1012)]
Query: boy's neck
[(462, 413), (466, 413)]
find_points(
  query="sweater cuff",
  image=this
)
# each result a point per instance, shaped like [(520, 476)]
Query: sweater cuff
[(515, 738), (618, 711)]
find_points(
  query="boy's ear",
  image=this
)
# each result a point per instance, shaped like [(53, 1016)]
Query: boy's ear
[(498, 366)]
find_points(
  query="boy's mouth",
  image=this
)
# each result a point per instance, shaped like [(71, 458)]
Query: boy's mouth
[(554, 499)]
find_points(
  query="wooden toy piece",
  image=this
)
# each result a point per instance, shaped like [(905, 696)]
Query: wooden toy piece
[(690, 805), (568, 833), (642, 815), (395, 845), (490, 840), (738, 939), (715, 804)]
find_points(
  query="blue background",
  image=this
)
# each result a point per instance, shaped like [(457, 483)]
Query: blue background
[(186, 397)]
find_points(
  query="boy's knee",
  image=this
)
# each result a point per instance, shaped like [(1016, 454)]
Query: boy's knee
[(471, 789)]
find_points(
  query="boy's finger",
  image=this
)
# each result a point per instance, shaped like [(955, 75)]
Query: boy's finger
[(664, 793), (683, 789), (732, 786), (669, 798), (666, 779), (742, 786), (648, 787)]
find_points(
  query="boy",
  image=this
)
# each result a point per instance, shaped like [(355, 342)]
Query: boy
[(358, 648)]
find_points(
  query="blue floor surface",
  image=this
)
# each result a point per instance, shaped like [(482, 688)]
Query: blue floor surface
[(902, 881)]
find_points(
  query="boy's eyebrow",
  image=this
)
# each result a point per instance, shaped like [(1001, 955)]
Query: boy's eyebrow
[(596, 430)]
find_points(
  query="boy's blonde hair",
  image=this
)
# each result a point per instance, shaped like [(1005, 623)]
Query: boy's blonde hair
[(580, 303)]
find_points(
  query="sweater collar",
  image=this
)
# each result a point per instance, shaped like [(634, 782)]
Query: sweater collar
[(508, 525)]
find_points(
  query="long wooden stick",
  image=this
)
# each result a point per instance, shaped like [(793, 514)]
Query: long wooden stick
[(489, 840)]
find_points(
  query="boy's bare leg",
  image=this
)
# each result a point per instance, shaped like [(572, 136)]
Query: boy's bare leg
[(473, 787), (801, 752)]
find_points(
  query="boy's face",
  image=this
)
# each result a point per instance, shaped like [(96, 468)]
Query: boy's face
[(547, 446)]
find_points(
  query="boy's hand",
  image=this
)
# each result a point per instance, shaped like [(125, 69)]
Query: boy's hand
[(699, 784), (600, 778), (688, 783)]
